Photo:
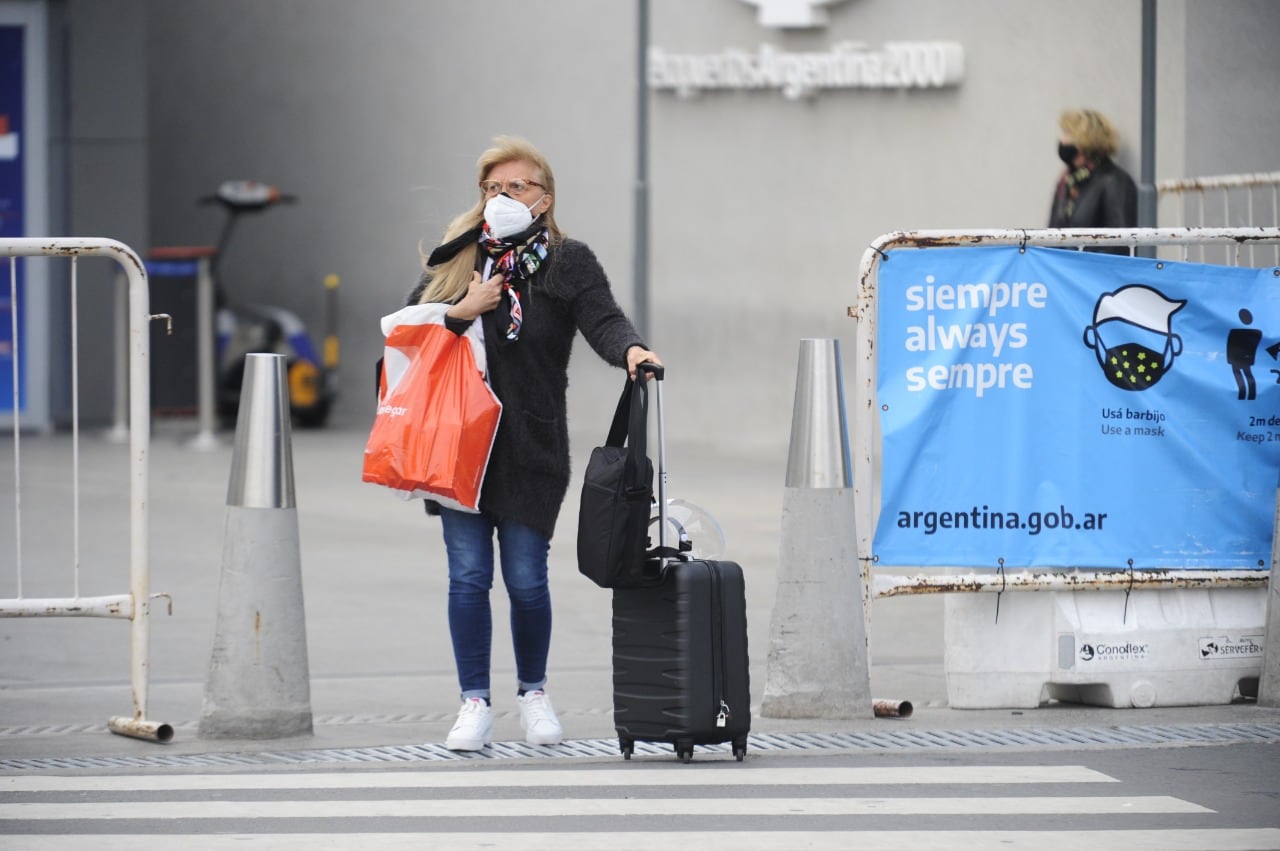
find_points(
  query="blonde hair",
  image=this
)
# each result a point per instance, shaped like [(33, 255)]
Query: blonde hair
[(448, 281), (1090, 131)]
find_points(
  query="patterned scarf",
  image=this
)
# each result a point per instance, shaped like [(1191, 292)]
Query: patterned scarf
[(1069, 188), (516, 259)]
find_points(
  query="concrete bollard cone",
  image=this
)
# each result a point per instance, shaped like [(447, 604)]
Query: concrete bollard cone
[(1269, 682), (818, 656), (259, 683)]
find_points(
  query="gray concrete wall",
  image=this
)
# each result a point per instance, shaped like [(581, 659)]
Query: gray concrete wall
[(99, 173), (761, 206), (374, 114), (1233, 69), (796, 190)]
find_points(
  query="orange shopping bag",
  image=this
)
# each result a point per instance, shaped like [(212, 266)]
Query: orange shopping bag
[(437, 416)]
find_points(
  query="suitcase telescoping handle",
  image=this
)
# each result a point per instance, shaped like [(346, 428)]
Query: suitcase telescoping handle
[(658, 371)]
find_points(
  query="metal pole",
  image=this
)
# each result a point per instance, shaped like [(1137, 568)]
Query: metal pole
[(1147, 178), (139, 447), (119, 431), (205, 368), (139, 530), (331, 350), (642, 173)]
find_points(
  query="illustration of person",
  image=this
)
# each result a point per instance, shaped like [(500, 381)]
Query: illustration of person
[(1132, 336), (1242, 348)]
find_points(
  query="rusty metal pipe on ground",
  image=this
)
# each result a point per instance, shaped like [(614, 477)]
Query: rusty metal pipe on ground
[(140, 728), (892, 708)]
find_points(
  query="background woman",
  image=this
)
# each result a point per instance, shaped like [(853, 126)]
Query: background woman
[(1093, 192)]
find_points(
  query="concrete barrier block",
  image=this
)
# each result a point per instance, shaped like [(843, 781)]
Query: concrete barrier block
[(818, 664), (1179, 647), (258, 686)]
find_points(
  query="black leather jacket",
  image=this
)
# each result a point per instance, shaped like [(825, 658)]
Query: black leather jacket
[(1108, 199)]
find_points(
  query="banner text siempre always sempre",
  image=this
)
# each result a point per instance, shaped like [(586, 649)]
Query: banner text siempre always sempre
[(996, 336)]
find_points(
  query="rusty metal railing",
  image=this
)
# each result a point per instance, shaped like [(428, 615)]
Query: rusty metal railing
[(1228, 200), (865, 423), (135, 605)]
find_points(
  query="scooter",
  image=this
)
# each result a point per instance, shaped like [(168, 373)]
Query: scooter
[(241, 329)]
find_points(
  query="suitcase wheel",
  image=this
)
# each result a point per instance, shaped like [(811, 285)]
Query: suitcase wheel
[(627, 746), (739, 748), (684, 750)]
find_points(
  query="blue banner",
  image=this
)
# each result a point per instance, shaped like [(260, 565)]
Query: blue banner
[(12, 207), (1055, 408)]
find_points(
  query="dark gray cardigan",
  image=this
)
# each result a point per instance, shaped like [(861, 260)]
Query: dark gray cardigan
[(528, 473)]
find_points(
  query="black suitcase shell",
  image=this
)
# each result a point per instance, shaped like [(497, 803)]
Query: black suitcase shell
[(680, 669)]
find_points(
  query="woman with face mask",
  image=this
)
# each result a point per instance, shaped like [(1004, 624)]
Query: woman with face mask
[(506, 264), (1093, 192)]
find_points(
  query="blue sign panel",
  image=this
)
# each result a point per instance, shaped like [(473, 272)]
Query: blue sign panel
[(1054, 408), (12, 205)]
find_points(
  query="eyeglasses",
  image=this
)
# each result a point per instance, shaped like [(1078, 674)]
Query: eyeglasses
[(515, 186)]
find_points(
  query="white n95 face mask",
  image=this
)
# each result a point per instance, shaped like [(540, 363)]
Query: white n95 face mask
[(507, 216)]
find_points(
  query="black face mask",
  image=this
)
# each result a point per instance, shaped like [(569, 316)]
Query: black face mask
[(1068, 153)]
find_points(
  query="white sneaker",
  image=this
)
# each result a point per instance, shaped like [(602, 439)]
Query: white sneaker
[(538, 719), (474, 727)]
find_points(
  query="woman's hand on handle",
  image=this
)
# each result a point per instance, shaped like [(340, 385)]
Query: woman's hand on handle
[(637, 355)]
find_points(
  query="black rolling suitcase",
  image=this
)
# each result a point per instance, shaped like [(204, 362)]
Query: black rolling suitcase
[(680, 671)]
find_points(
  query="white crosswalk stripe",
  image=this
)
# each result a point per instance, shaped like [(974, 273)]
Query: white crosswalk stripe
[(838, 840), (614, 808), (542, 807), (729, 775)]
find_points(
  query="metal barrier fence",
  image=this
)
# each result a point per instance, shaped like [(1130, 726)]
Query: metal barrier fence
[(1228, 200), (866, 424), (136, 604)]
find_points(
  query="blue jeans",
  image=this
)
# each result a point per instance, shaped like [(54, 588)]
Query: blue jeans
[(468, 540)]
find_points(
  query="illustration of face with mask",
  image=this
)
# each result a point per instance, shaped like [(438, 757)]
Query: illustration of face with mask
[(1132, 336)]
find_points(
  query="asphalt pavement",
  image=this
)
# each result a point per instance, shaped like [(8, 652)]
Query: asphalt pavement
[(380, 667)]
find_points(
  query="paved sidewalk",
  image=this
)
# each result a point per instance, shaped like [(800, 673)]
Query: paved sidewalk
[(381, 670)]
